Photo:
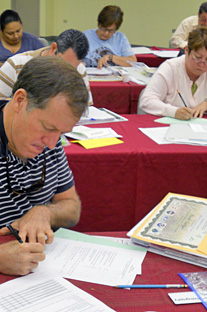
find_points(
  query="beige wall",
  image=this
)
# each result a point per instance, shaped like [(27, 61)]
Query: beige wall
[(146, 22), (4, 5)]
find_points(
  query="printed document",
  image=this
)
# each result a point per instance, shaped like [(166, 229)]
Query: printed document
[(46, 292), (91, 262)]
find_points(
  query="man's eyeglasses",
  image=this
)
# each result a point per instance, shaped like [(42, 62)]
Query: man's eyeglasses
[(37, 186), (198, 59), (110, 31)]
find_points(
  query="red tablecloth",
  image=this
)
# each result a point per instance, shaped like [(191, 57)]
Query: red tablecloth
[(120, 184), (155, 270), (151, 59), (118, 96)]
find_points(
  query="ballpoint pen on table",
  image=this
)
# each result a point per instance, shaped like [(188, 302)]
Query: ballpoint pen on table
[(14, 232), (153, 286), (181, 98)]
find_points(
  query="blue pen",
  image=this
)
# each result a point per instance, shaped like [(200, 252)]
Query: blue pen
[(14, 232), (153, 286)]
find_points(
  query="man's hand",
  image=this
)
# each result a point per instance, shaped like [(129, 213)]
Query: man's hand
[(20, 259), (34, 226), (184, 113)]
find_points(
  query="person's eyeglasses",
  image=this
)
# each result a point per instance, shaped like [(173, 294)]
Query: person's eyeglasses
[(198, 59), (37, 186), (110, 31)]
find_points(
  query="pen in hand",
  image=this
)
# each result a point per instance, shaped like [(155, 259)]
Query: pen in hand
[(14, 232), (181, 98)]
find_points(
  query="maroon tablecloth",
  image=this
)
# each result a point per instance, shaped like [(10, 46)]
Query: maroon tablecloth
[(118, 96), (155, 270), (151, 59), (120, 184)]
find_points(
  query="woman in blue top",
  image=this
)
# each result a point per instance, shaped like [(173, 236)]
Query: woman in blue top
[(106, 45), (12, 38)]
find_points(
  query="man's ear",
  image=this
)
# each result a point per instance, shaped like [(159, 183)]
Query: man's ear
[(186, 50), (19, 100), (53, 49)]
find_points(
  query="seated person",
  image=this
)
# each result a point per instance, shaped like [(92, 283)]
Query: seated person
[(71, 45), (37, 191), (12, 38), (180, 36), (188, 74), (106, 45)]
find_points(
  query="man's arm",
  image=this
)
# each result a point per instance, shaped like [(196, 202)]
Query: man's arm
[(8, 76), (20, 259), (64, 211)]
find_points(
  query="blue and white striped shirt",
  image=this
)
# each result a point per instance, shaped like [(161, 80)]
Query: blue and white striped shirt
[(58, 179)]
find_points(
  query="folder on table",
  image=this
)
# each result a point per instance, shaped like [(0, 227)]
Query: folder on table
[(176, 228)]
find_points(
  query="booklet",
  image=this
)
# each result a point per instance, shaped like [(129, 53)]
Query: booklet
[(197, 281), (176, 228)]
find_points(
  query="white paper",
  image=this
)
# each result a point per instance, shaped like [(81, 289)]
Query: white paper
[(46, 292), (98, 71), (91, 262), (85, 133), (166, 53), (184, 297), (198, 128), (128, 242), (156, 134), (183, 134), (96, 115), (141, 50)]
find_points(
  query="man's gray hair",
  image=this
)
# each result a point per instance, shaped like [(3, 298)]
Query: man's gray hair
[(45, 77)]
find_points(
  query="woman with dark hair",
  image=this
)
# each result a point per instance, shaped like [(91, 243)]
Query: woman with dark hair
[(106, 45), (12, 38)]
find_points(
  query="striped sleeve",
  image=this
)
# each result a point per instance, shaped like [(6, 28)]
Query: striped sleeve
[(9, 72)]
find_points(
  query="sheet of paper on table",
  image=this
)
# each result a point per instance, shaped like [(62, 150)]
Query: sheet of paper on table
[(157, 134), (141, 50), (46, 292), (165, 53), (171, 120), (175, 229), (97, 262)]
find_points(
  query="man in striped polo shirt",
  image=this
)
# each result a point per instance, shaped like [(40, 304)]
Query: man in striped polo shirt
[(37, 191)]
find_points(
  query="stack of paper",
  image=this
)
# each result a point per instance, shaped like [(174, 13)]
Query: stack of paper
[(107, 73), (99, 115), (187, 134), (176, 228)]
